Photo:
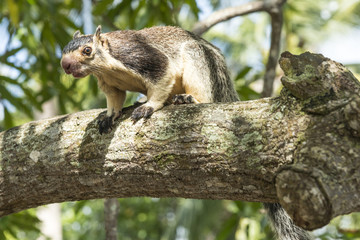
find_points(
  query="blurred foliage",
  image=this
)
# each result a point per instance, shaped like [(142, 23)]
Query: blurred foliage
[(22, 225), (33, 34), (168, 218)]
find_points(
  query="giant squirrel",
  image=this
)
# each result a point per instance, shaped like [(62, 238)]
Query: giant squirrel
[(165, 64), (160, 62)]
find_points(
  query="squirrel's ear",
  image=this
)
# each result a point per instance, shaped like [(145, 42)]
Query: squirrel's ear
[(97, 32), (77, 34), (97, 39)]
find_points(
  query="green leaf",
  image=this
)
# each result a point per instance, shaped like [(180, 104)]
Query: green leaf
[(119, 9), (17, 102), (100, 8), (8, 120), (243, 72), (47, 35), (228, 227), (193, 6), (9, 80), (247, 93), (30, 97), (93, 86), (79, 205), (13, 11), (2, 235), (9, 53)]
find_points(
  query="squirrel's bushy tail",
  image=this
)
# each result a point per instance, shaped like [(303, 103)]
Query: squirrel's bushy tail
[(283, 225), (221, 86)]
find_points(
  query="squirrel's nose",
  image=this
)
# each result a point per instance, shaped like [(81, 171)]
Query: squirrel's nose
[(66, 64)]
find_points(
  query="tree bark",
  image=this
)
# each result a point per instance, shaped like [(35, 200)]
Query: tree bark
[(301, 148), (325, 174)]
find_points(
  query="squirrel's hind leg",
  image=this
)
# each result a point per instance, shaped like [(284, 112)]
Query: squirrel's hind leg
[(157, 95)]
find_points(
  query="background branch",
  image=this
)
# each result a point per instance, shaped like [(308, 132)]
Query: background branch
[(276, 14), (226, 14), (111, 213), (274, 8)]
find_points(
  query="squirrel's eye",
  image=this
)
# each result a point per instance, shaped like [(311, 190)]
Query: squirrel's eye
[(87, 51)]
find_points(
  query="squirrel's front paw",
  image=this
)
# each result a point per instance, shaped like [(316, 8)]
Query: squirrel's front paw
[(141, 112), (105, 123)]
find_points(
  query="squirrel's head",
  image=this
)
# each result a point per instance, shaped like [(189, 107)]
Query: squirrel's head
[(81, 54)]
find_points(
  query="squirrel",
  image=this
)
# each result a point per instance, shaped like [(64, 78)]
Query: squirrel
[(163, 63), (167, 64)]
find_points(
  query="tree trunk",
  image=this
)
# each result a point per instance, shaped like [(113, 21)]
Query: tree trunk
[(301, 148), (111, 213)]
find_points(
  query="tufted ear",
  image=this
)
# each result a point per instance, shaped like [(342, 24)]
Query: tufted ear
[(97, 34), (100, 40), (77, 34)]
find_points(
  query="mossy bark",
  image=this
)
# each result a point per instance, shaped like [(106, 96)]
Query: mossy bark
[(302, 150), (324, 180)]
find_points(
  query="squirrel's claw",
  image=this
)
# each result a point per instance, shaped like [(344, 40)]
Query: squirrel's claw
[(183, 99)]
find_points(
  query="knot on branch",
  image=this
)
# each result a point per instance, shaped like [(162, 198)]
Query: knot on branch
[(322, 182), (308, 206), (314, 77), (323, 179), (352, 116)]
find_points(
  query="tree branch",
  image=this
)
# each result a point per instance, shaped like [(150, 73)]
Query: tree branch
[(276, 14), (274, 8), (226, 14), (300, 148)]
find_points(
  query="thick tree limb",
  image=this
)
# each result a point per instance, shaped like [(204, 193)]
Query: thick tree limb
[(301, 149)]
